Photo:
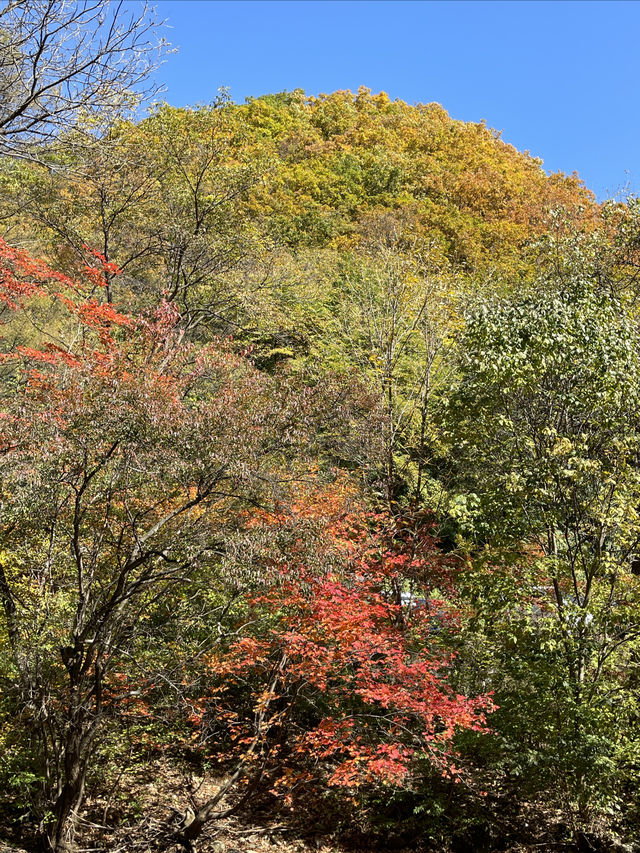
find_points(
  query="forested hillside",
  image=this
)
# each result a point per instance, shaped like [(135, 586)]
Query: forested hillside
[(320, 481)]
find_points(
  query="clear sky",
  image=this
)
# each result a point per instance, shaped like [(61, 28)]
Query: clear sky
[(560, 78)]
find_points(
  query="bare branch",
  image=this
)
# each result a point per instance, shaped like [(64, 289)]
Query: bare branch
[(64, 63)]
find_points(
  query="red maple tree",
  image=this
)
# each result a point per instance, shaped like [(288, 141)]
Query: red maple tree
[(340, 678)]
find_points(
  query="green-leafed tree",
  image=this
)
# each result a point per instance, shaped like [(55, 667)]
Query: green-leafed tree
[(546, 439)]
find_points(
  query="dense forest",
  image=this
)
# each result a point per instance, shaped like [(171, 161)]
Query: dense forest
[(320, 471)]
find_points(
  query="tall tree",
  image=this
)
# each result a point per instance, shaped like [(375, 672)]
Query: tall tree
[(121, 456), (546, 441)]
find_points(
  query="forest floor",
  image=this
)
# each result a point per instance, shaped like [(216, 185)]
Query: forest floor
[(136, 817)]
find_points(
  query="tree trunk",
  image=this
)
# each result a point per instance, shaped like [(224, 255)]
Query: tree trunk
[(82, 724), (62, 830)]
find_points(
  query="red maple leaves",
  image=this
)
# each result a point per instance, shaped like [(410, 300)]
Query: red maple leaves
[(339, 681)]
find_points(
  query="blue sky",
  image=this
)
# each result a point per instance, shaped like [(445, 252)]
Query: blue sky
[(560, 78)]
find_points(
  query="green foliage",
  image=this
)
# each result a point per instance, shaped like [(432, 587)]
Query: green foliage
[(549, 384), (546, 430)]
